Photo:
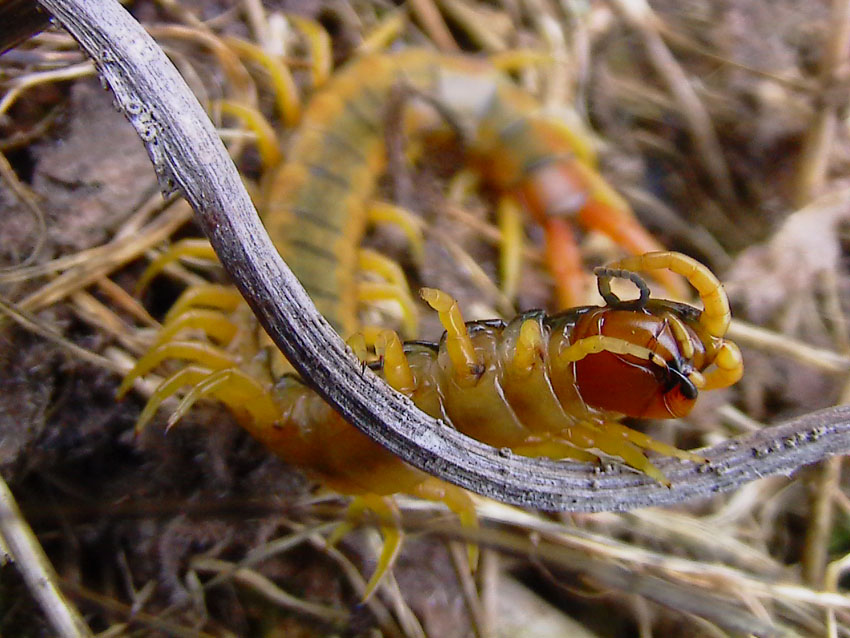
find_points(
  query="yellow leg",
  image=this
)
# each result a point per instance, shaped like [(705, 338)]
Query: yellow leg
[(509, 217), (528, 352), (357, 342), (232, 387), (384, 267), (570, 126), (371, 336), (377, 291), (459, 502), (256, 122), (379, 212), (465, 361), (355, 511), (397, 370), (601, 343), (554, 449), (464, 183), (518, 59), (319, 43), (190, 375), (646, 442), (197, 351), (730, 367), (212, 323), (387, 512), (589, 435), (683, 339), (285, 90), (398, 290), (239, 392), (223, 298), (199, 248), (380, 37)]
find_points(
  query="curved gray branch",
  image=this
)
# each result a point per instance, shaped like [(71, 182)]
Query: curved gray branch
[(188, 156)]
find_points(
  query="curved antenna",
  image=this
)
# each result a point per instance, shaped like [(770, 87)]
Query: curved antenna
[(715, 316), (605, 274)]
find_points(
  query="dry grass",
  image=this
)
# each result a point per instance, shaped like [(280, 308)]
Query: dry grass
[(723, 123)]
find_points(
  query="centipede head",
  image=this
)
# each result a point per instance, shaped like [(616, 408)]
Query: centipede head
[(640, 387), (687, 339)]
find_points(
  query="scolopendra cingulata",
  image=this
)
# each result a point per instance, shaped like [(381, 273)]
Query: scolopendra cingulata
[(540, 385), (315, 207)]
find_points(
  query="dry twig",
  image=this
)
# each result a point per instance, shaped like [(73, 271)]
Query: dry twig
[(36, 569), (821, 134), (639, 16)]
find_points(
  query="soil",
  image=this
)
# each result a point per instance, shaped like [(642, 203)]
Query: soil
[(128, 521)]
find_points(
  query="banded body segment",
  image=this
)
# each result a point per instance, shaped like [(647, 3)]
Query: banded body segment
[(554, 386), (310, 435), (315, 205)]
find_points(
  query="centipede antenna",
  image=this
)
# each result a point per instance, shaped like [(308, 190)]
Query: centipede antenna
[(716, 315), (603, 283)]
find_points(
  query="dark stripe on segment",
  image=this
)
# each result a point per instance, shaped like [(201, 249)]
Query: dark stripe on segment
[(485, 324), (328, 202), (352, 109), (314, 250), (314, 219), (320, 172), (563, 322), (410, 346), (317, 275), (327, 302), (544, 160), (338, 141)]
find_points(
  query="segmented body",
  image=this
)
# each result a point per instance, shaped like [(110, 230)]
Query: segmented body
[(539, 385), (536, 410), (524, 392), (315, 205)]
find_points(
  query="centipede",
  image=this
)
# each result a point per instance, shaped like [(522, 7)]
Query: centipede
[(554, 385), (540, 385)]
